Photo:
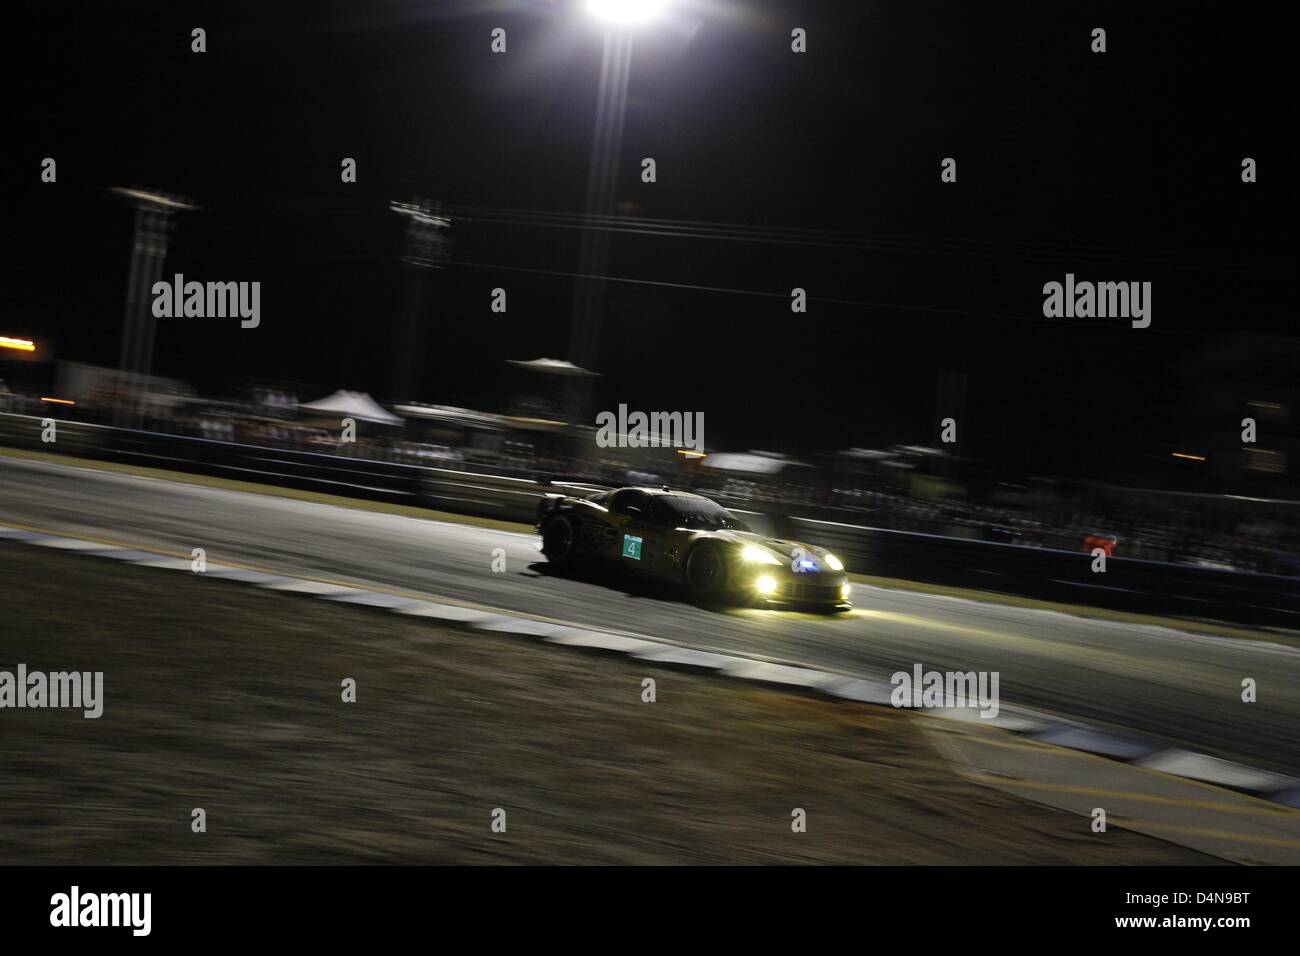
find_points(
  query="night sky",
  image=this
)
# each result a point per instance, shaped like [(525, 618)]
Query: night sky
[(1123, 166)]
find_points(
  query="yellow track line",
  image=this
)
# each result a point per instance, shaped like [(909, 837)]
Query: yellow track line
[(1267, 809)]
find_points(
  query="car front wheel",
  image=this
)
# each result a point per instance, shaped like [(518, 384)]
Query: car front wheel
[(706, 572)]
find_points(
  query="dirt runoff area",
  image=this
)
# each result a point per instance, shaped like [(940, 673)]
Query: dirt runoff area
[(228, 698)]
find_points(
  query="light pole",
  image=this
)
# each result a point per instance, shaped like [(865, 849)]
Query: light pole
[(427, 248), (153, 220), (593, 252), (618, 16)]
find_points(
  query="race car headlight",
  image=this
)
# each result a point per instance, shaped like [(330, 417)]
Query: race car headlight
[(832, 562), (846, 591), (754, 553), (766, 584)]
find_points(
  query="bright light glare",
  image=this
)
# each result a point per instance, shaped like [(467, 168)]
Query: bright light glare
[(766, 584), (753, 552), (832, 562), (625, 11)]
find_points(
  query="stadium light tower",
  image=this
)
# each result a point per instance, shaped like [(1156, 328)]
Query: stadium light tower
[(154, 218), (427, 249), (618, 18)]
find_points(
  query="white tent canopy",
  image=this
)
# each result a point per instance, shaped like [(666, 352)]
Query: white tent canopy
[(868, 454), (356, 405), (550, 366)]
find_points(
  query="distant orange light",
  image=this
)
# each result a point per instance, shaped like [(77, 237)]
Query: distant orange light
[(21, 345), (1179, 454), (58, 401)]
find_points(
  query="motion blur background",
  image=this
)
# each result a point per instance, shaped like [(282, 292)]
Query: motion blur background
[(520, 171), (774, 171)]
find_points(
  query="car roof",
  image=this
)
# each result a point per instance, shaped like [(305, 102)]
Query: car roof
[(666, 492)]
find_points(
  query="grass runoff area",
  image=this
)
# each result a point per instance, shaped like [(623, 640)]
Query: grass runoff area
[(227, 697), (428, 514)]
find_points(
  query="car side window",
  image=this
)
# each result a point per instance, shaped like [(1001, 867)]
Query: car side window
[(633, 504)]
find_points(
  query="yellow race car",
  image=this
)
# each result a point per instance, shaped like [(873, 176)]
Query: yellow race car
[(685, 538)]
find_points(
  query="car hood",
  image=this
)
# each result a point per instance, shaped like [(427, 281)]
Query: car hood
[(781, 547)]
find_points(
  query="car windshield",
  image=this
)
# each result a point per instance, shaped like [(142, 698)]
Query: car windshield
[(700, 513)]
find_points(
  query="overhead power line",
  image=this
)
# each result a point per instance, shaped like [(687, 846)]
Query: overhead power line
[(903, 243), (857, 303)]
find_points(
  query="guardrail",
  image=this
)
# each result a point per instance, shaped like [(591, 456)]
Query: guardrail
[(1049, 574), (496, 496), (1148, 587)]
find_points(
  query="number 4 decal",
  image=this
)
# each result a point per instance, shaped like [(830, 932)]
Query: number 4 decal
[(632, 547)]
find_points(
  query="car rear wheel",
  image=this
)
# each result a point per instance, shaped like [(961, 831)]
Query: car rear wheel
[(558, 539), (706, 572)]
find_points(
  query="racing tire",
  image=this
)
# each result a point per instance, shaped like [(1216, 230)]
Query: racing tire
[(705, 573), (559, 541)]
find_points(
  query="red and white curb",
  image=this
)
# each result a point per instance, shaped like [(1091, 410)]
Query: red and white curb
[(861, 689)]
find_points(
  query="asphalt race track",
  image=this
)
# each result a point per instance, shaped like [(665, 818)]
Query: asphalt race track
[(1176, 688)]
